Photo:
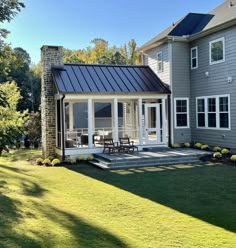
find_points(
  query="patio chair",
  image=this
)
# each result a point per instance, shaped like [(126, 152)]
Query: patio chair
[(128, 145), (111, 146)]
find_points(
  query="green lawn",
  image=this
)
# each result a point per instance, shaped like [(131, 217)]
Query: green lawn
[(81, 206)]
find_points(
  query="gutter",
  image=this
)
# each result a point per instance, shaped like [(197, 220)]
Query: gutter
[(63, 127)]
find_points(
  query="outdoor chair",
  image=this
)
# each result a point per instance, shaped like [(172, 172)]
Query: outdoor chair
[(128, 145), (110, 146)]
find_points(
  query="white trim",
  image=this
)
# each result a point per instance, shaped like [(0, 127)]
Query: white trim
[(160, 62), (140, 120), (182, 99), (217, 97), (90, 123), (191, 54), (214, 41), (115, 118), (164, 134), (171, 97)]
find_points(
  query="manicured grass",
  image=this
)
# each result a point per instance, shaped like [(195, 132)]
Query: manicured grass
[(81, 206)]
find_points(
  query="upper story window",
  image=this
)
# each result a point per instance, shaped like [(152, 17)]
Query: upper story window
[(194, 58), (181, 113), (213, 112), (159, 62), (217, 51)]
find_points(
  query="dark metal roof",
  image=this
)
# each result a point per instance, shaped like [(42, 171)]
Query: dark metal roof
[(87, 78)]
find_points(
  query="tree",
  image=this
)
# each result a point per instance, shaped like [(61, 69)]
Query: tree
[(11, 120), (8, 10)]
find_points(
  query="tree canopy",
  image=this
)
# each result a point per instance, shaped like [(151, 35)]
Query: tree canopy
[(101, 53)]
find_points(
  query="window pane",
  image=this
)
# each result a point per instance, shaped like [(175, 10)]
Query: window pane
[(224, 120), (194, 63), (211, 105), (216, 51), (224, 104), (181, 106), (194, 53), (212, 120), (67, 119), (201, 120), (80, 115), (201, 105), (181, 120), (102, 114)]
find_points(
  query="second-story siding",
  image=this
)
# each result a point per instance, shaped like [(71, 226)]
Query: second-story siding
[(150, 59)]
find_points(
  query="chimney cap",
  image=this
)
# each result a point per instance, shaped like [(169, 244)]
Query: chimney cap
[(52, 47)]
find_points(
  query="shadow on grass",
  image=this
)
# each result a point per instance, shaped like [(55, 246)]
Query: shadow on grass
[(204, 191)]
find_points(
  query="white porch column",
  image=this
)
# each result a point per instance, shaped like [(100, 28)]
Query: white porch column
[(116, 125), (90, 123), (164, 121), (140, 122)]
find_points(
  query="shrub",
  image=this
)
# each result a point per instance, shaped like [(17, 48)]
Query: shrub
[(176, 145), (217, 155), (216, 149), (204, 147), (233, 158), (47, 161), (198, 145), (39, 161), (90, 157), (56, 162), (72, 160), (225, 151), (80, 158), (187, 145), (50, 158)]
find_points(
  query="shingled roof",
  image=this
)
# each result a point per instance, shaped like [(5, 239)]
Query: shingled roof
[(195, 23), (88, 78)]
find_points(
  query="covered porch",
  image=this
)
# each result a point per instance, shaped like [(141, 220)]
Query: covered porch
[(127, 101)]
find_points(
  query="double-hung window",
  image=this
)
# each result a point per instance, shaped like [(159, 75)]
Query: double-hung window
[(213, 112), (217, 51), (181, 113), (194, 58), (159, 62)]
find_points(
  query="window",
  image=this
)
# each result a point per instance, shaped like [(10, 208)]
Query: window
[(217, 51), (194, 58), (213, 112), (159, 62), (181, 113)]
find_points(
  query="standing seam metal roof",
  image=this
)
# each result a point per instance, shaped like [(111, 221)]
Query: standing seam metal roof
[(88, 78)]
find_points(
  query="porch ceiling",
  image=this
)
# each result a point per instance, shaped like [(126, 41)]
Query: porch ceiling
[(87, 78)]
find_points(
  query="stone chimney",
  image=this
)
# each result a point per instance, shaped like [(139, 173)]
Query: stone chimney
[(50, 55)]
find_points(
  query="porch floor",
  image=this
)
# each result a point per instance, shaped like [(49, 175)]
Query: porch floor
[(148, 158)]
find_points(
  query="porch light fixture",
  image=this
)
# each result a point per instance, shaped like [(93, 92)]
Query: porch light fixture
[(207, 74), (229, 79)]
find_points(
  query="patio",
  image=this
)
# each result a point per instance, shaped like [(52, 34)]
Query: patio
[(166, 156)]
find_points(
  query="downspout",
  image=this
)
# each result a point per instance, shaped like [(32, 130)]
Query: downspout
[(63, 127)]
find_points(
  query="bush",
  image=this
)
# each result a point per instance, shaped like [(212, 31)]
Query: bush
[(198, 145), (233, 158), (175, 145), (225, 151), (187, 145), (47, 162), (90, 157), (80, 158), (39, 161), (204, 147), (56, 162), (217, 155), (216, 149)]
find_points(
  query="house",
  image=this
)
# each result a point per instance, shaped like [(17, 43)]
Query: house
[(196, 56), (83, 104)]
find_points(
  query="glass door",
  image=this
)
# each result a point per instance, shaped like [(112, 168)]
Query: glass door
[(152, 123)]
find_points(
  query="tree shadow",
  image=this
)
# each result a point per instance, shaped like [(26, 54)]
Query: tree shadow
[(204, 191)]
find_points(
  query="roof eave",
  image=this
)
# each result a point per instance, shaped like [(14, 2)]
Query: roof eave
[(152, 45), (213, 30)]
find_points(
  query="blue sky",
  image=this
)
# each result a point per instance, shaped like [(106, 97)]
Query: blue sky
[(74, 23)]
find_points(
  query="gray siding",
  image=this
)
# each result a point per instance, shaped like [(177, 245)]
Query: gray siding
[(180, 84), (150, 59), (215, 84)]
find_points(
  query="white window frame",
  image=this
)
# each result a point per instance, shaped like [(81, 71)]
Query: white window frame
[(192, 58), (176, 113), (217, 97), (214, 41), (160, 62)]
